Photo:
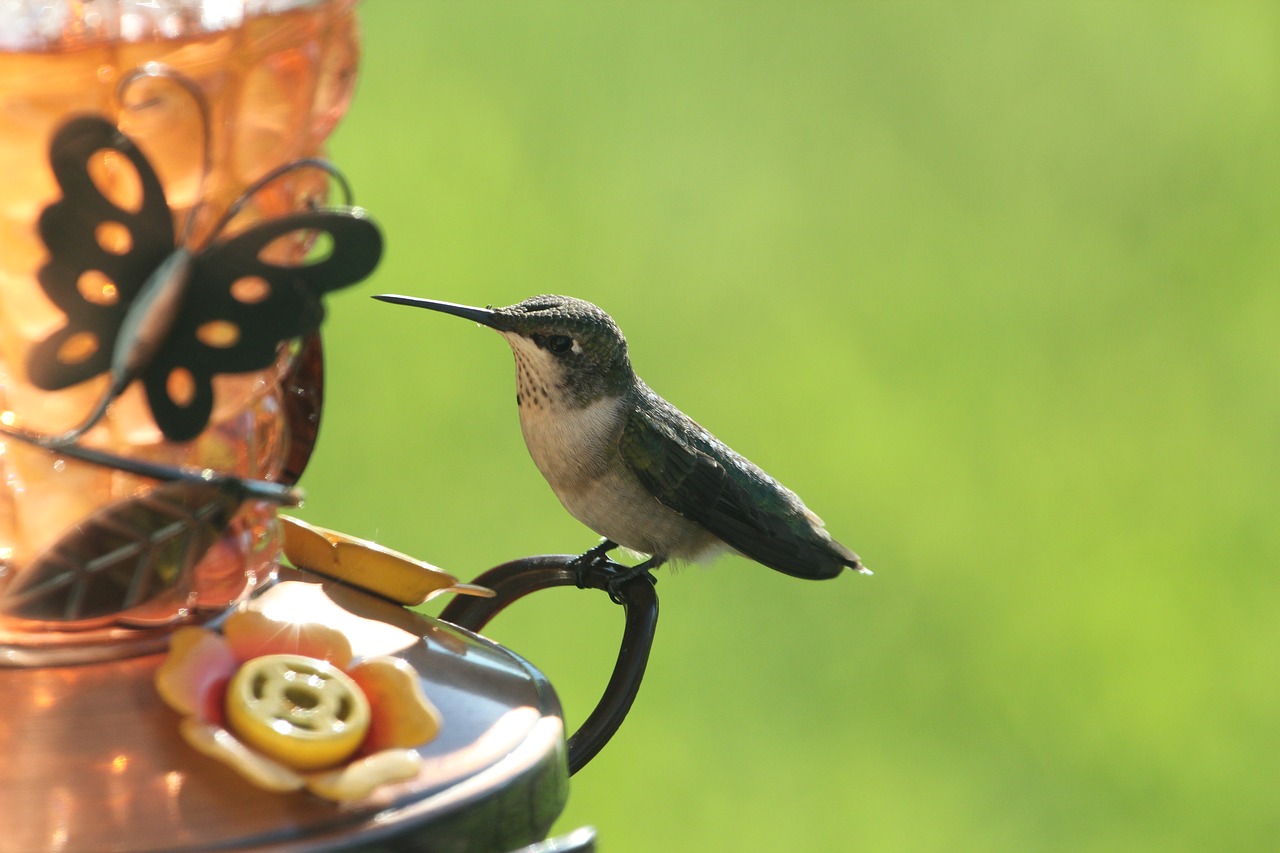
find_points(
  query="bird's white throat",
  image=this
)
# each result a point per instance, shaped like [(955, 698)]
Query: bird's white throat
[(569, 442)]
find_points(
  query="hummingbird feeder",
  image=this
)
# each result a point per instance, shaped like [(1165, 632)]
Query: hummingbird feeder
[(185, 667)]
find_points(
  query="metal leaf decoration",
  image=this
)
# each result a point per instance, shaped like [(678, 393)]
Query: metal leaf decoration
[(123, 556)]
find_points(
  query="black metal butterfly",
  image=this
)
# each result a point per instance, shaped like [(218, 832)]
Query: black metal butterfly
[(143, 307)]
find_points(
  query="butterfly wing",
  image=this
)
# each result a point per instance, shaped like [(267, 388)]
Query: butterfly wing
[(239, 307), (101, 250)]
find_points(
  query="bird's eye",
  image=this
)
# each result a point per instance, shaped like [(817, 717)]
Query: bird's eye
[(559, 343)]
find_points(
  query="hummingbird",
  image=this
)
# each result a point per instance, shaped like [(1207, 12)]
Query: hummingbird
[(633, 467)]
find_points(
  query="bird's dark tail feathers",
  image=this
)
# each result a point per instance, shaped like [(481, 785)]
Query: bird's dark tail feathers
[(850, 559)]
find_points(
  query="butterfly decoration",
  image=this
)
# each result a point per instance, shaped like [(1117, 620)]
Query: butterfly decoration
[(142, 306)]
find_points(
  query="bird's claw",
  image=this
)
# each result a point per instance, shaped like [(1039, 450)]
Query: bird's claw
[(617, 575), (623, 575), (597, 557)]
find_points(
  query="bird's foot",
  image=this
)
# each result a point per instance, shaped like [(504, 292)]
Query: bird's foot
[(617, 575), (625, 574), (595, 557), (596, 554)]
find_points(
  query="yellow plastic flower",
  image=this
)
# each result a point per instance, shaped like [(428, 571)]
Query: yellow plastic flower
[(282, 704)]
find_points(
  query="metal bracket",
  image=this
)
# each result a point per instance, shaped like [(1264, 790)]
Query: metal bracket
[(635, 592)]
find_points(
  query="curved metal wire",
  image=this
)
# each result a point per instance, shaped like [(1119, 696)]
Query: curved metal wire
[(275, 174), (280, 493), (160, 71)]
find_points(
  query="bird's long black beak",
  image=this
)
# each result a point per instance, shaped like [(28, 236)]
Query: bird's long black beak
[(483, 316)]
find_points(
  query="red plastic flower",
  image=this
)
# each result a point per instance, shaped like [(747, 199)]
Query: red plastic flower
[(283, 704)]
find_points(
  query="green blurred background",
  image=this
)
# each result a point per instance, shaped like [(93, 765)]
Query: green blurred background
[(992, 285)]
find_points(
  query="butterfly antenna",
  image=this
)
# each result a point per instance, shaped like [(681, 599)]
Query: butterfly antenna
[(71, 436), (121, 376), (158, 70), (279, 172), (245, 488)]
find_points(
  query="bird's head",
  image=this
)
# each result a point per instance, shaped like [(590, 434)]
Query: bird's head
[(564, 346)]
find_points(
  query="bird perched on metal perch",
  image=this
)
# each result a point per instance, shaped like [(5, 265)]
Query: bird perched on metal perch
[(633, 467)]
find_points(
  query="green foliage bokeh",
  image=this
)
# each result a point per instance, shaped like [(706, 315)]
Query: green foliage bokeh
[(992, 285)]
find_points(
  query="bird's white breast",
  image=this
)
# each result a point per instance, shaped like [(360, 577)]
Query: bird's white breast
[(576, 449), (569, 444)]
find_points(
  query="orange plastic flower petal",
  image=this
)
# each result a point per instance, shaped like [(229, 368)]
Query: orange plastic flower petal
[(251, 634), (358, 779), (216, 742), (197, 661), (368, 565), (402, 714)]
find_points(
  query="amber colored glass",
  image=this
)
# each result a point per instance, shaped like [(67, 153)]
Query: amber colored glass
[(273, 86)]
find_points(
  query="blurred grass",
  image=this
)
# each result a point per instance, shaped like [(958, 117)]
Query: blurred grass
[(992, 285)]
